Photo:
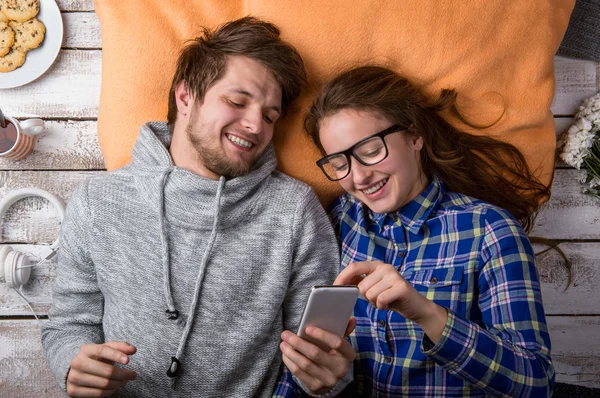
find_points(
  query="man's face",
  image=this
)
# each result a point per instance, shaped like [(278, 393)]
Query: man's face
[(233, 124)]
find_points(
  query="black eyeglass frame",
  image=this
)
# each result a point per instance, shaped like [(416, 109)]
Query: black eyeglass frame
[(350, 151)]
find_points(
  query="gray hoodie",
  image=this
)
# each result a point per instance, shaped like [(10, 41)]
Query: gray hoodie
[(235, 258)]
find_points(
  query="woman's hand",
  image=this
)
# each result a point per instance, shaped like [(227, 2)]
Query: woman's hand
[(385, 288), (319, 370)]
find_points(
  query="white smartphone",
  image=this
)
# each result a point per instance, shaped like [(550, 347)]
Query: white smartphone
[(329, 308)]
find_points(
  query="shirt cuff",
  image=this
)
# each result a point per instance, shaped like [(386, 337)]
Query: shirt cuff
[(454, 347), (337, 389)]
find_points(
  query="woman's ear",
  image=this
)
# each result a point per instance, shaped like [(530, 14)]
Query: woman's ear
[(415, 142)]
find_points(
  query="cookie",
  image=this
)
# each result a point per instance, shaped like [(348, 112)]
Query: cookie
[(2, 16), (28, 35), (7, 38), (12, 60), (20, 10)]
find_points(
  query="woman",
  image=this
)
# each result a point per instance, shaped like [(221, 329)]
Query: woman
[(451, 302)]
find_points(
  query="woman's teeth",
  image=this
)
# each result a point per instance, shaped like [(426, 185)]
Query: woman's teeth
[(375, 187)]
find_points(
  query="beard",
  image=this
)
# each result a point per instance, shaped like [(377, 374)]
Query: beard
[(213, 157)]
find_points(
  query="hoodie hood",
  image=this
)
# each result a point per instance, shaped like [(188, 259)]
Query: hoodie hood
[(151, 159)]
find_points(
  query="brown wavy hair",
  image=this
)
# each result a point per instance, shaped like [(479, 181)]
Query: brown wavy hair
[(475, 165), (204, 60)]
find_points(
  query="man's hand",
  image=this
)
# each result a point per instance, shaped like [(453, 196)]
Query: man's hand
[(93, 373), (318, 370), (386, 289)]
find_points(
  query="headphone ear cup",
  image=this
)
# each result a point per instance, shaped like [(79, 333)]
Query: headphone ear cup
[(15, 275), (4, 250)]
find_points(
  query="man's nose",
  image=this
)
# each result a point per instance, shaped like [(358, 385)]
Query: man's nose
[(252, 121)]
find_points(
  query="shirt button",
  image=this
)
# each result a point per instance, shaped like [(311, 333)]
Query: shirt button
[(382, 323), (433, 280), (387, 359), (400, 254)]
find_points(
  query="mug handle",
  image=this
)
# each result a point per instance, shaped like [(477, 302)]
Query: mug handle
[(32, 127)]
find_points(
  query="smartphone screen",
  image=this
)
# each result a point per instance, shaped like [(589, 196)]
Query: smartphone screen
[(329, 308)]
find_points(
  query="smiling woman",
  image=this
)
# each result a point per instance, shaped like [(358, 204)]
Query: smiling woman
[(442, 271)]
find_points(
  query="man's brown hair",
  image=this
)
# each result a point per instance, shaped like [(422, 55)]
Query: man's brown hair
[(203, 61)]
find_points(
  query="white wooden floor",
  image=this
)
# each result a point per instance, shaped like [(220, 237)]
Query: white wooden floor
[(67, 98)]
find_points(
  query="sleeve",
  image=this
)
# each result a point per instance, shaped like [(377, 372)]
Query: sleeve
[(315, 262), (287, 386), (509, 355), (77, 303)]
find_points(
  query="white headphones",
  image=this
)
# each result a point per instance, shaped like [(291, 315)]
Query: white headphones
[(15, 266)]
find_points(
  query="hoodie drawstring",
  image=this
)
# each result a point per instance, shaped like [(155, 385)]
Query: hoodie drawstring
[(175, 367), (173, 314)]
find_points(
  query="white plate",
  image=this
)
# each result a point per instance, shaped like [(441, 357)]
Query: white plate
[(39, 59)]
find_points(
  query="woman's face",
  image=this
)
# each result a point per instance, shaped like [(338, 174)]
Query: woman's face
[(386, 186)]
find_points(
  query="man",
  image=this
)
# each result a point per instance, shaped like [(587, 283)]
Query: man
[(178, 273)]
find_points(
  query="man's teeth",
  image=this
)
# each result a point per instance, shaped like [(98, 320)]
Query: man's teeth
[(375, 188), (239, 141)]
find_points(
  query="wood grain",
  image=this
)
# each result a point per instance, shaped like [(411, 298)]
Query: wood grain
[(23, 368), (569, 214), (67, 145), (575, 351), (82, 30), (575, 80), (75, 5), (70, 89), (581, 298)]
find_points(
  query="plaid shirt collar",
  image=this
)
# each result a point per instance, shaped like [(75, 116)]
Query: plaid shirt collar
[(414, 213)]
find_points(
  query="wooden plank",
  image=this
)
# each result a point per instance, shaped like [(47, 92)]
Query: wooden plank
[(38, 290), (575, 80), (22, 358), (581, 298), (569, 214), (70, 89), (82, 30), (66, 145), (23, 367), (576, 349), (75, 5), (34, 220)]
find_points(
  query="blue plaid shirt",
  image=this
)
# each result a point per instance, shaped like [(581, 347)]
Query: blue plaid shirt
[(470, 257)]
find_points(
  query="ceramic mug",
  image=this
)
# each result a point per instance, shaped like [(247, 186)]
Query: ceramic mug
[(17, 138)]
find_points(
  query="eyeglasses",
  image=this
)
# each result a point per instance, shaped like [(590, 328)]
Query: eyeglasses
[(368, 152)]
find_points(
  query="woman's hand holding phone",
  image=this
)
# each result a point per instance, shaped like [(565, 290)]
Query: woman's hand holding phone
[(319, 370)]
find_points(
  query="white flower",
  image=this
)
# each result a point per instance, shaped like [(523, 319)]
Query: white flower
[(579, 145)]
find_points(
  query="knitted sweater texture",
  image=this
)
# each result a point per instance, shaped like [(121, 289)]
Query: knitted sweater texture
[(251, 263)]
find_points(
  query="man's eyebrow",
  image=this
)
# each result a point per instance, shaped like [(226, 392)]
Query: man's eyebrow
[(247, 94)]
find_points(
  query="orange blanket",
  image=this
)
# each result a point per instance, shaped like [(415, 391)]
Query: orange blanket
[(479, 47)]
